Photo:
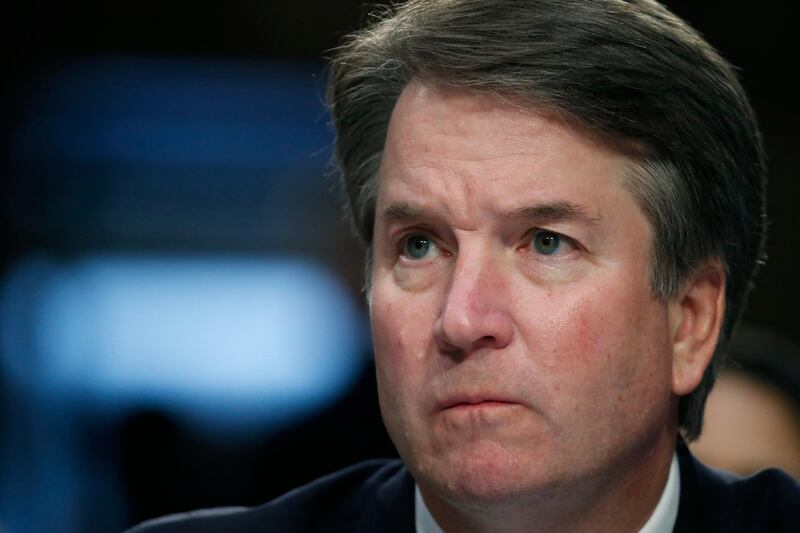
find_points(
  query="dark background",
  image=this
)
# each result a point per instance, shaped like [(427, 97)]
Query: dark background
[(758, 37), (162, 466)]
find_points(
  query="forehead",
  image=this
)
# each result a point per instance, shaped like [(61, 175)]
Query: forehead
[(480, 150)]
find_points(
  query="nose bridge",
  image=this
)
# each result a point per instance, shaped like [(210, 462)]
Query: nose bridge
[(474, 312), (475, 276)]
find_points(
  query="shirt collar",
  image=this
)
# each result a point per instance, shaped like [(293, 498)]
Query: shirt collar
[(661, 521), (666, 512)]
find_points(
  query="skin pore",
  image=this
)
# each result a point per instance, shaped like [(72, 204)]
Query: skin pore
[(526, 373)]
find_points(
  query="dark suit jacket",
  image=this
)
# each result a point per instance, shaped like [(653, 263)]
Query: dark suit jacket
[(378, 496)]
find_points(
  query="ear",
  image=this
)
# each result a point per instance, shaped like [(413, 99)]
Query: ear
[(696, 317)]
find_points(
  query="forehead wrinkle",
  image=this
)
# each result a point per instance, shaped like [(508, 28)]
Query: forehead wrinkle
[(427, 191)]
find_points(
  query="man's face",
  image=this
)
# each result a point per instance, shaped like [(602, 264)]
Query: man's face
[(517, 341)]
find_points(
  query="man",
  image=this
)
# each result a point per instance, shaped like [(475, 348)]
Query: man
[(563, 207)]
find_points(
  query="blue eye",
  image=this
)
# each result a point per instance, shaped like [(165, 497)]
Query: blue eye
[(417, 246), (546, 242)]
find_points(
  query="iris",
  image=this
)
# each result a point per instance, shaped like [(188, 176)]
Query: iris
[(417, 246), (546, 242)]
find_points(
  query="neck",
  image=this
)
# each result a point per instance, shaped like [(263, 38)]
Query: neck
[(620, 499)]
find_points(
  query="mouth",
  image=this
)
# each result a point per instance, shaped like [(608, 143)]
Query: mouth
[(476, 402), (483, 411)]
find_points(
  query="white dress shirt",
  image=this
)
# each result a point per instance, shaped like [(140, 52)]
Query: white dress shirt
[(661, 521)]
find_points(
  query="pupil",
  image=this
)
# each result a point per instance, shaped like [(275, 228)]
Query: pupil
[(547, 243), (418, 246)]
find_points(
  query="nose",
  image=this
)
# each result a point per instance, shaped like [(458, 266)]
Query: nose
[(475, 309)]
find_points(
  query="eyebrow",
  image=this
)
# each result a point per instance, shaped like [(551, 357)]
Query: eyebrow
[(544, 213), (555, 212), (401, 211)]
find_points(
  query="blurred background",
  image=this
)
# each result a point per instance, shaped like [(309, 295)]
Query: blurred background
[(181, 323)]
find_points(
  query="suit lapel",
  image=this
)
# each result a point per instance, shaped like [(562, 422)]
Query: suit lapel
[(392, 507), (706, 503)]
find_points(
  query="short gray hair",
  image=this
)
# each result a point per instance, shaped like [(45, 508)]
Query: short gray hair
[(627, 69)]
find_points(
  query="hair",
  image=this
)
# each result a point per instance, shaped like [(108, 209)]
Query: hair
[(629, 70)]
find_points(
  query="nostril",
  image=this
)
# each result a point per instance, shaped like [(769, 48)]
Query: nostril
[(449, 348), (486, 341)]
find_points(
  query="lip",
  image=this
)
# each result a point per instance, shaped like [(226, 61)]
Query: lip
[(476, 401)]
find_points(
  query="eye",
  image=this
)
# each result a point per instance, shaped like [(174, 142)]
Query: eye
[(546, 242), (418, 246)]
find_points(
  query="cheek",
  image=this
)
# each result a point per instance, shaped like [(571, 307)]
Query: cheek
[(402, 332), (606, 342), (389, 331), (388, 341)]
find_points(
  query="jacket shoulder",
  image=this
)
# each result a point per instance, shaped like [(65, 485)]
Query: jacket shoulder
[(768, 500), (713, 500), (365, 493)]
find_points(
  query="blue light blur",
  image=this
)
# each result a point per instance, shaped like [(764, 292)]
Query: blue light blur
[(218, 158), (233, 348), (144, 151), (169, 111), (236, 343)]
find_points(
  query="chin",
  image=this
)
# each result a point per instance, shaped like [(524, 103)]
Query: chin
[(485, 473)]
